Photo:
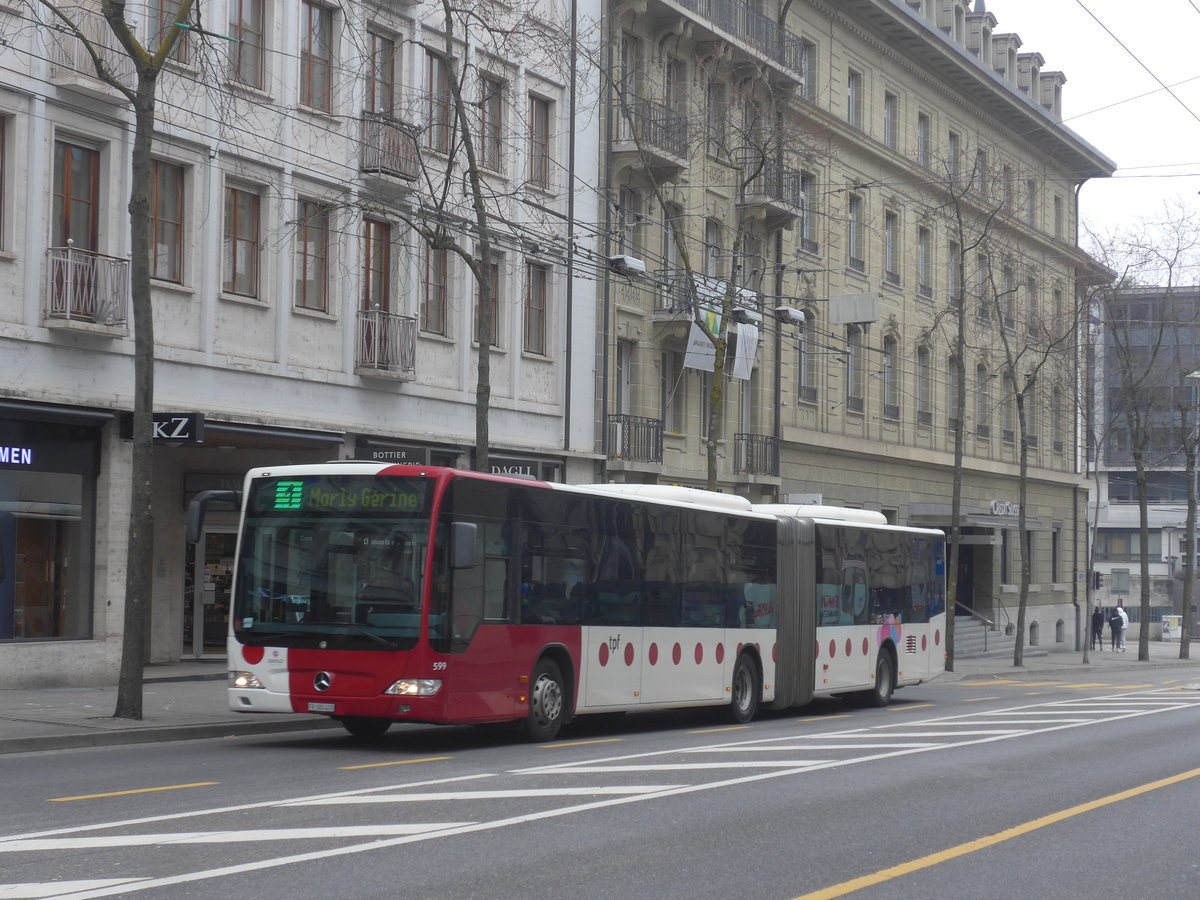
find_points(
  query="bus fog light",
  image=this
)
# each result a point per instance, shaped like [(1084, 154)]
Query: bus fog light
[(415, 687), (244, 680)]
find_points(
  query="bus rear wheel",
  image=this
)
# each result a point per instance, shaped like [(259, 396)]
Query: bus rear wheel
[(365, 729), (746, 690), (547, 702), (885, 681)]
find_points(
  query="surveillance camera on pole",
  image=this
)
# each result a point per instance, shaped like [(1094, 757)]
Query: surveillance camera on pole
[(627, 265)]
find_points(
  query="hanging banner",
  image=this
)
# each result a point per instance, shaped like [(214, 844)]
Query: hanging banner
[(701, 353), (747, 346)]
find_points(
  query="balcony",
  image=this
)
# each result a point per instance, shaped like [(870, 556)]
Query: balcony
[(388, 155), (71, 65), (760, 34), (86, 291), (651, 136), (387, 345), (635, 438), (778, 193), (756, 454)]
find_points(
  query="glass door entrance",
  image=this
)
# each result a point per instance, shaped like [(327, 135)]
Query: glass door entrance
[(209, 568)]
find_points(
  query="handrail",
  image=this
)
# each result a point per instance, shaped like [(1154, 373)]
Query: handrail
[(975, 615)]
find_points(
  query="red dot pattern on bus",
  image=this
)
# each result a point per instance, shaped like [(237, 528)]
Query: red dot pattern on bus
[(253, 655), (629, 654)]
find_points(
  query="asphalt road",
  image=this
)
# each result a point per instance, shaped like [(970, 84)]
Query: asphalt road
[(1020, 787)]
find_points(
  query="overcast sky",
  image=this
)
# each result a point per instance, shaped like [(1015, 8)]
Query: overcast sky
[(1114, 103)]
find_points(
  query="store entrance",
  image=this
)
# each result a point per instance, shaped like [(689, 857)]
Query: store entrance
[(208, 584)]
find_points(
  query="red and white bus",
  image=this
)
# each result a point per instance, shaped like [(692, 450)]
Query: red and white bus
[(377, 593)]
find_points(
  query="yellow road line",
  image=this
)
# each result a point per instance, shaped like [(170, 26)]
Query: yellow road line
[(907, 708), (581, 743), (718, 730), (977, 699), (1042, 683), (168, 787), (989, 683), (933, 859), (396, 762)]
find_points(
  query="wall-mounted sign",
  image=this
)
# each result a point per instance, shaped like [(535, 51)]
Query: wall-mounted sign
[(170, 427), (1005, 508)]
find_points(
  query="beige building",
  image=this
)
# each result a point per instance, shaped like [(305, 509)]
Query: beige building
[(879, 167)]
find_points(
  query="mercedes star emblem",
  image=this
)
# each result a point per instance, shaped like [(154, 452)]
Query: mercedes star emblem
[(322, 681)]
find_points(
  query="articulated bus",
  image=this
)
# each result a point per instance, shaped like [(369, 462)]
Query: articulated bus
[(378, 593)]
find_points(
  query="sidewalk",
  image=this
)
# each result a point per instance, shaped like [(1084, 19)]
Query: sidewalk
[(187, 700)]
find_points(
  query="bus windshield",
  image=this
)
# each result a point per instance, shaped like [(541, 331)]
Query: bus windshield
[(335, 559)]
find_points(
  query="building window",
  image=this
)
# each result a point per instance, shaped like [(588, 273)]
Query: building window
[(3, 176), (76, 196), (161, 16), (1009, 301), (806, 363), (247, 28), (1058, 217), (979, 174), (855, 376), (712, 247), (675, 82), (433, 290), (1031, 203), (854, 98), (1008, 411), (953, 412), (629, 222), (491, 272), (1032, 320), (1056, 419), (672, 391), (316, 56), (924, 387), (491, 122), (953, 151), (714, 116), (924, 262), (891, 379), (983, 308), (1055, 553), (954, 263), (241, 257), (854, 233), (312, 255), (924, 140), (808, 69), (377, 255), (381, 74), (539, 141), (891, 248), (891, 104), (439, 104), (983, 402), (808, 225), (537, 278), (166, 222), (1007, 187)]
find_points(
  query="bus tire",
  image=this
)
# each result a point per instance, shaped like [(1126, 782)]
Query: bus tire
[(547, 702), (746, 690), (365, 729), (885, 680)]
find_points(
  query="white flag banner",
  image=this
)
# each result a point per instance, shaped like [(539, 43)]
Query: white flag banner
[(701, 354), (747, 346)]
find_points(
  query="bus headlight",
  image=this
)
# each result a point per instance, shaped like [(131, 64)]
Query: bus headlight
[(244, 680), (415, 687)]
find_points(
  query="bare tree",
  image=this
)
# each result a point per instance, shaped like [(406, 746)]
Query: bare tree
[(141, 94)]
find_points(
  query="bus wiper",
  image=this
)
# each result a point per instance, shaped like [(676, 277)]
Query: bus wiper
[(265, 637), (357, 629)]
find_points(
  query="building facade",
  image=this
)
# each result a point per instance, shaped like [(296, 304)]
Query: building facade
[(311, 295), (829, 189)]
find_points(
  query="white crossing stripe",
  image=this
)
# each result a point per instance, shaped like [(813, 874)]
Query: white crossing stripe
[(36, 890), (488, 795), (224, 837)]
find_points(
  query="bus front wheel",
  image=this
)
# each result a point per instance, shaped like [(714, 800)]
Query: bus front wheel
[(746, 690), (547, 702), (885, 680), (366, 729)]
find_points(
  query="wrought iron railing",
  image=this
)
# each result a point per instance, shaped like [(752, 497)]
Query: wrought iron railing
[(756, 454), (388, 147), (635, 438), (386, 342), (68, 53), (780, 184), (760, 31), (84, 286), (654, 126)]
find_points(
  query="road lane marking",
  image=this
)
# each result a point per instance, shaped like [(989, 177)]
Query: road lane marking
[(978, 699), (933, 859), (246, 836), (149, 790), (580, 743), (720, 730), (397, 762), (989, 683), (908, 708), (513, 794), (36, 889)]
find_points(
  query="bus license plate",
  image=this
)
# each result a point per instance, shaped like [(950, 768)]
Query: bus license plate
[(320, 707)]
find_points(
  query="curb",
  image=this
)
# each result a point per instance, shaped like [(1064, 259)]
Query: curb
[(157, 734)]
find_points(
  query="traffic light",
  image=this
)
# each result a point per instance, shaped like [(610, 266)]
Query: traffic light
[(1096, 580)]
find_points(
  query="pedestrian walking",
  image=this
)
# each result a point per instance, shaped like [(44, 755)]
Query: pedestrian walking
[(1098, 629), (1114, 629), (1124, 625)]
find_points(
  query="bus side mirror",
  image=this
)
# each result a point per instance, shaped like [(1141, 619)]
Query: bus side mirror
[(464, 545), (199, 506)]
